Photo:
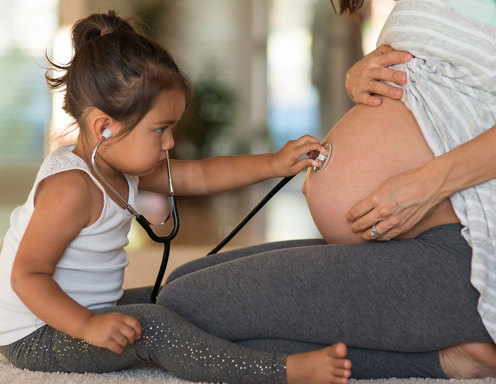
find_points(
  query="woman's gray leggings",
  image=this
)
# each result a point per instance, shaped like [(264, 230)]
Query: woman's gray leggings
[(385, 300)]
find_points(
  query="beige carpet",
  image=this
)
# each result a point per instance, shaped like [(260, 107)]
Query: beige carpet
[(149, 375), (143, 375)]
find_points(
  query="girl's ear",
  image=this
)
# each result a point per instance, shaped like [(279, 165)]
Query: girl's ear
[(104, 125)]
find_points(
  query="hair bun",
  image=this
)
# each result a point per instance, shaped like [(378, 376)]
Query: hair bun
[(97, 25)]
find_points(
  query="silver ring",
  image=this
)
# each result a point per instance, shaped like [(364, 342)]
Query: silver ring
[(374, 233)]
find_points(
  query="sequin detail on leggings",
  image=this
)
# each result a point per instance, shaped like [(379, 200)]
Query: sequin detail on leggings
[(168, 340)]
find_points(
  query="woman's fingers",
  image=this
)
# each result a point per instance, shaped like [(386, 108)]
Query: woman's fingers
[(394, 208), (358, 211), (366, 78), (379, 88), (391, 57)]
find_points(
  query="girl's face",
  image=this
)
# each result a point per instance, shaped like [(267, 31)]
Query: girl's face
[(141, 150)]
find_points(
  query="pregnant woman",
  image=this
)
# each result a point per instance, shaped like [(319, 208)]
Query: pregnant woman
[(406, 274)]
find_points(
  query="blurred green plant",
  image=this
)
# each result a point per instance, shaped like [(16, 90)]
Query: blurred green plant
[(211, 114)]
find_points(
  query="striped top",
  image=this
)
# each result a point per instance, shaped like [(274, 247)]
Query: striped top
[(451, 91)]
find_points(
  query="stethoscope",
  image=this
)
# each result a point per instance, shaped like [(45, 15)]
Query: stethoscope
[(166, 240), (322, 157)]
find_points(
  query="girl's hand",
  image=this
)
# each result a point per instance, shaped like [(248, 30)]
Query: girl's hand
[(366, 77), (288, 160), (113, 331), (396, 206)]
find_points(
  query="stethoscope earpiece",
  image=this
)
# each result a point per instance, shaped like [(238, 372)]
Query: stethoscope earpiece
[(107, 132)]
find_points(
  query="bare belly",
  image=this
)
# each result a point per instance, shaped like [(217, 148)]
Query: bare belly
[(369, 144)]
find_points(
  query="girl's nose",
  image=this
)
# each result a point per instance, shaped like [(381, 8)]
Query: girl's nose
[(167, 142)]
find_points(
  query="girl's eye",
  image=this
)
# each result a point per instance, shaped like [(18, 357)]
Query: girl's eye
[(160, 130)]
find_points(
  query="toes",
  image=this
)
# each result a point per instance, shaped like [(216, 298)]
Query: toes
[(338, 350), (341, 373)]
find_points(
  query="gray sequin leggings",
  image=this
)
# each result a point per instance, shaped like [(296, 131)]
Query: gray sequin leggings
[(385, 300), (168, 340)]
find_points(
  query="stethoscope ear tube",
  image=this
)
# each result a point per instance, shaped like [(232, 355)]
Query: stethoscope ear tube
[(166, 241), (141, 219), (250, 214)]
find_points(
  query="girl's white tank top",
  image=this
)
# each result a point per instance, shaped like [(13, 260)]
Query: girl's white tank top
[(91, 271)]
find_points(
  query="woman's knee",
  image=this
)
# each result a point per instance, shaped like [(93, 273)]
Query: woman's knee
[(178, 296)]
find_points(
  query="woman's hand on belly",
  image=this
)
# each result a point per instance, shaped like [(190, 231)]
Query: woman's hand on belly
[(400, 203)]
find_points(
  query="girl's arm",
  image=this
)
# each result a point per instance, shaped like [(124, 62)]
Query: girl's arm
[(63, 207), (403, 200), (218, 174)]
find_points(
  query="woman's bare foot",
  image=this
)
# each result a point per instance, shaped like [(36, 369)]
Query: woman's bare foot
[(470, 360), (327, 365)]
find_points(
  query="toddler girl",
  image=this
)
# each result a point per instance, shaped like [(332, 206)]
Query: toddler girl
[(62, 307)]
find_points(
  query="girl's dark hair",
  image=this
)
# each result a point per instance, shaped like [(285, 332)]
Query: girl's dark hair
[(115, 69), (348, 6)]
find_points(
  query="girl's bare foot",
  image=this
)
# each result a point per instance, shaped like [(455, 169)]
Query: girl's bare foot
[(327, 365), (470, 360)]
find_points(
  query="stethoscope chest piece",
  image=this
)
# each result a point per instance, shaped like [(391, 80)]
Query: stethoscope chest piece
[(323, 157)]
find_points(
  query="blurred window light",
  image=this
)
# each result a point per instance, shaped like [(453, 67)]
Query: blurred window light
[(61, 129), (380, 10), (293, 100), (27, 29)]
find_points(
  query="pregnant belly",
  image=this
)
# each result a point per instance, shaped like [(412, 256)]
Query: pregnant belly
[(369, 145)]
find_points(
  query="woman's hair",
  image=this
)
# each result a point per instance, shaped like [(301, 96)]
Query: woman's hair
[(115, 69), (348, 6)]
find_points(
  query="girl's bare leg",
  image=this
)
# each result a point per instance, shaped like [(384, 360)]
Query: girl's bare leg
[(469, 360), (327, 365)]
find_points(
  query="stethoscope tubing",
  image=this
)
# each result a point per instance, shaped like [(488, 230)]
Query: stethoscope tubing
[(166, 241), (249, 215)]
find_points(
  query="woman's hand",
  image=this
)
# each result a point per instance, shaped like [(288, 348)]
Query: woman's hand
[(397, 205), (113, 331), (289, 159), (366, 77)]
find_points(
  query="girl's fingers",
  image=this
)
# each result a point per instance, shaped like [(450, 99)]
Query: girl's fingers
[(129, 333), (303, 164), (306, 139), (134, 325), (307, 149), (114, 347), (120, 339)]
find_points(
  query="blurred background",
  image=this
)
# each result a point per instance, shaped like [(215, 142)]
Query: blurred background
[(264, 72)]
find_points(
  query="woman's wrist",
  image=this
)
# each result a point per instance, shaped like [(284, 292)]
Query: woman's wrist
[(437, 173), (465, 166)]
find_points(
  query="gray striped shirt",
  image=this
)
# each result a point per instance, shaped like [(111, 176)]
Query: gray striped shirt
[(451, 91)]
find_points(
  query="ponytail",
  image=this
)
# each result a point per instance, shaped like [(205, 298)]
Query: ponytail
[(115, 69)]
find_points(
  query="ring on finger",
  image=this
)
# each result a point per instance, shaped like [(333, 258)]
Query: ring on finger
[(373, 232), (369, 86)]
